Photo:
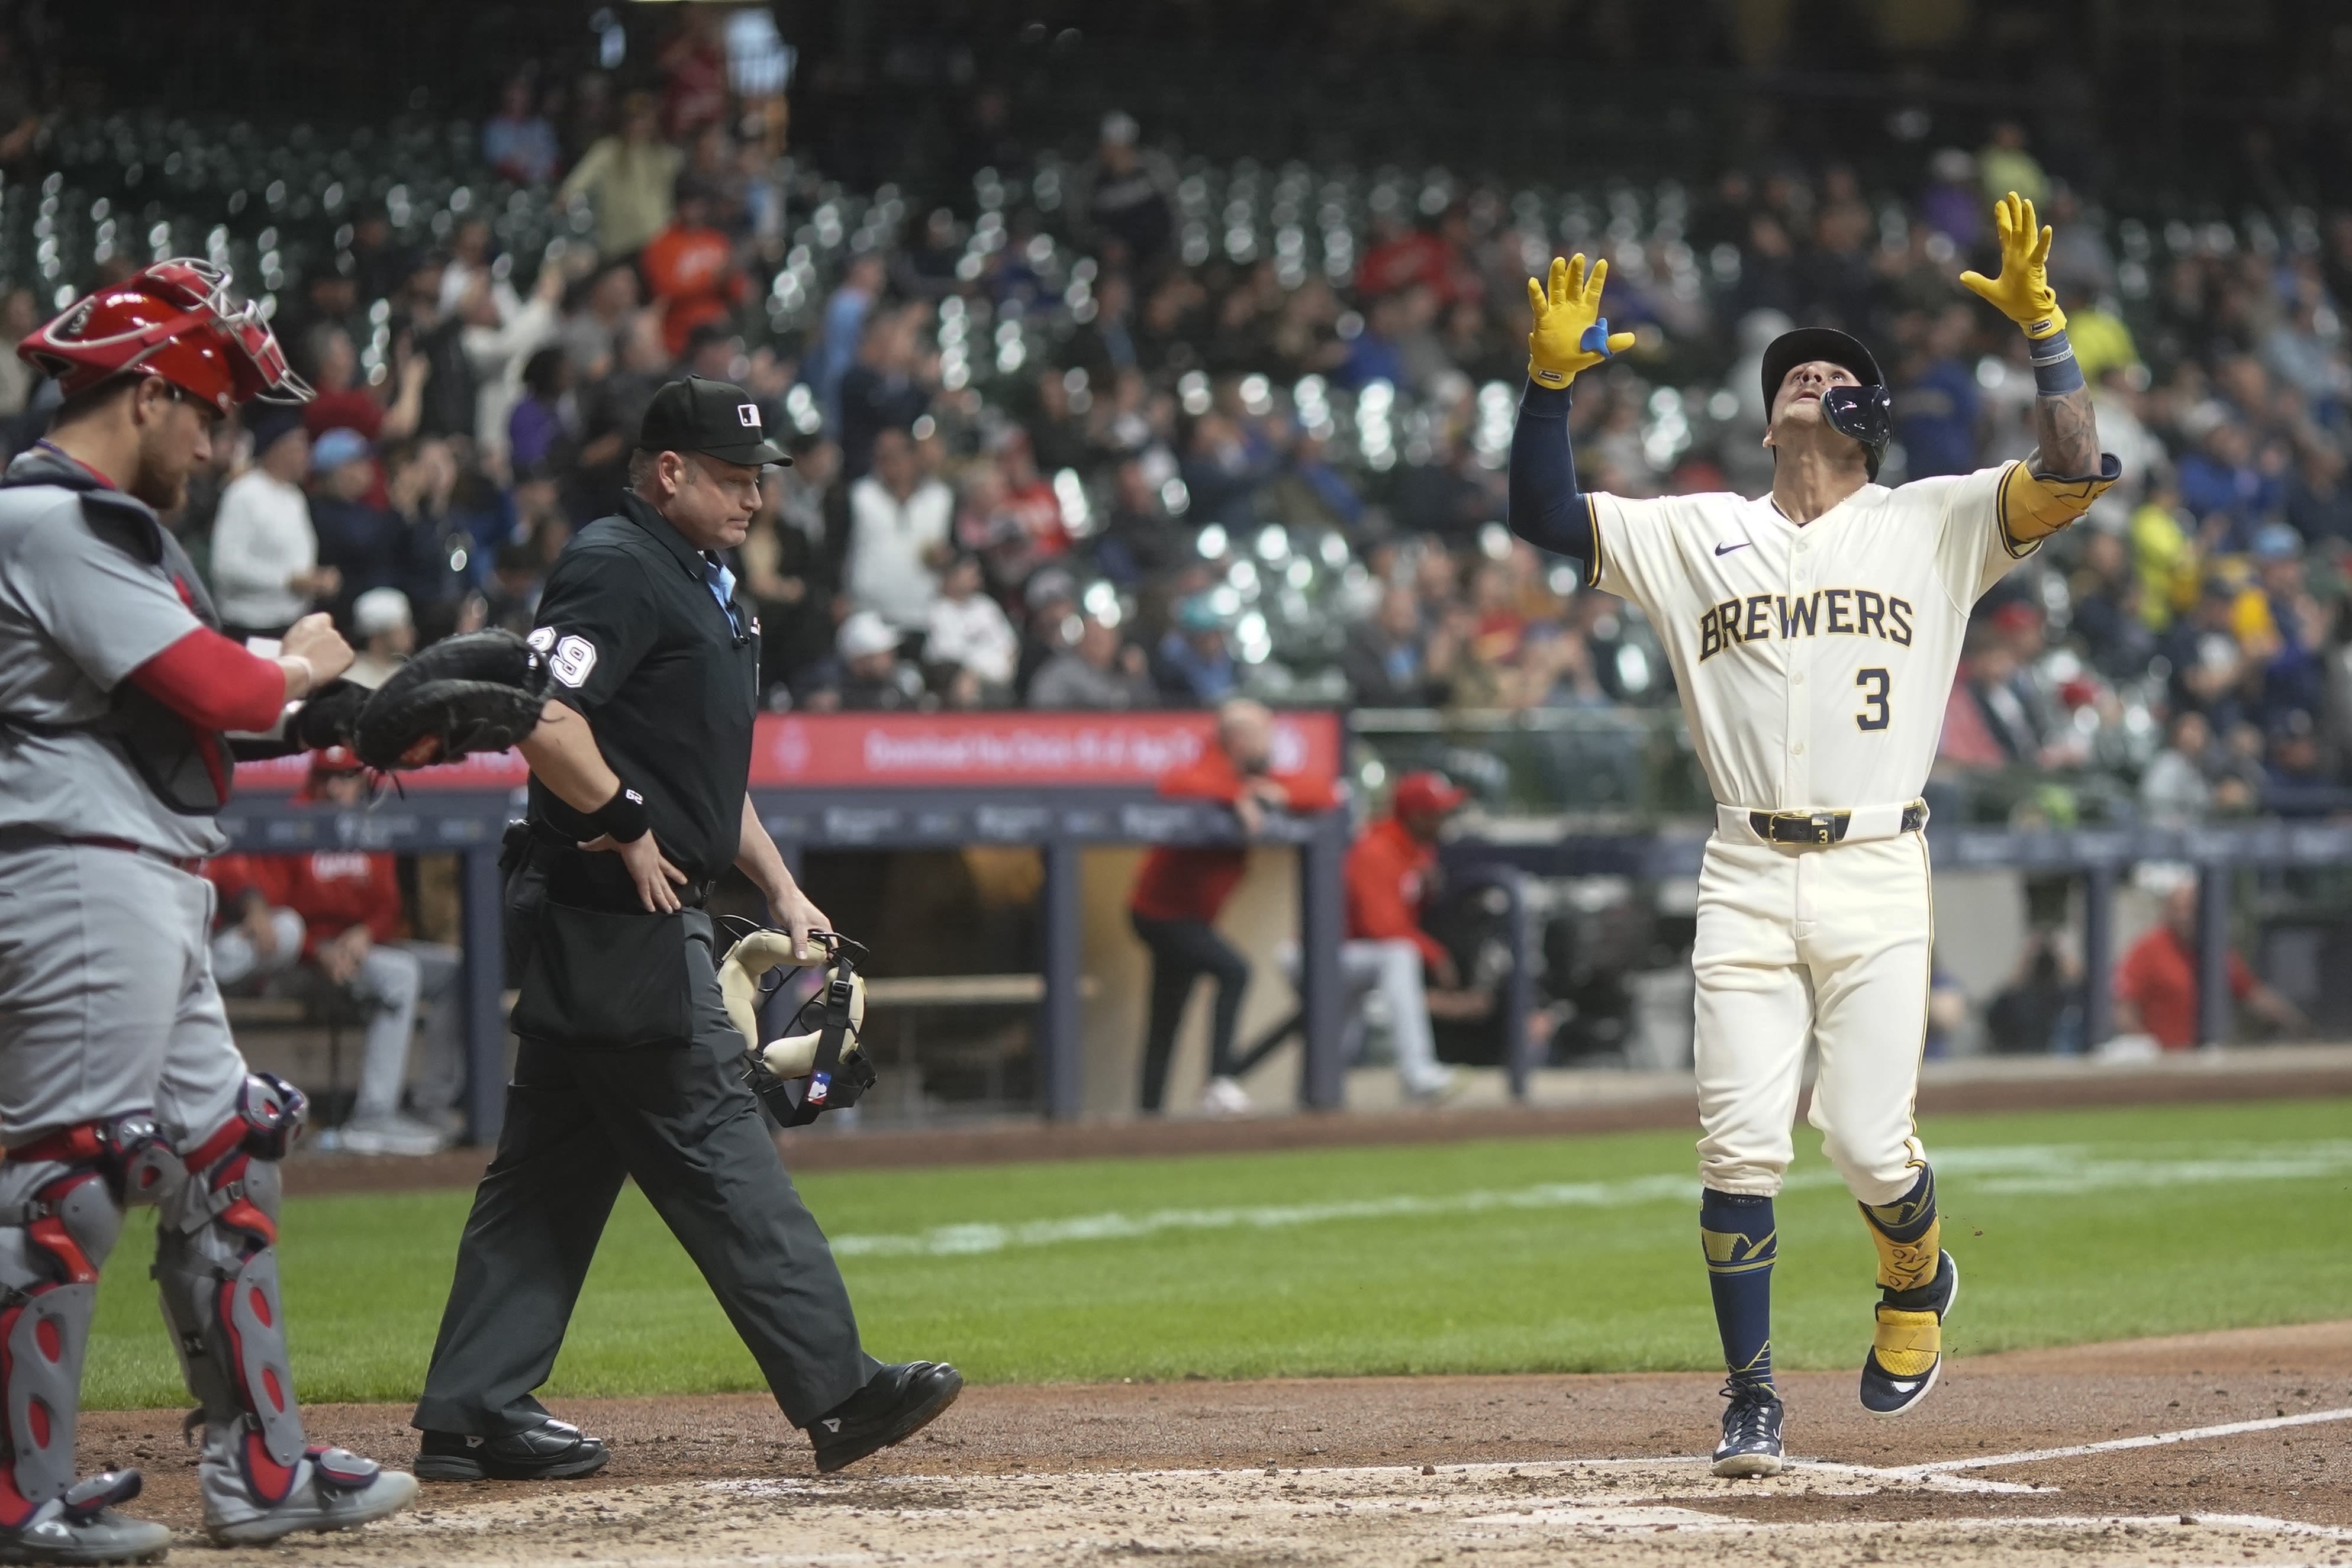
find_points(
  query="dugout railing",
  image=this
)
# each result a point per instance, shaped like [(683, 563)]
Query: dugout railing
[(1064, 820)]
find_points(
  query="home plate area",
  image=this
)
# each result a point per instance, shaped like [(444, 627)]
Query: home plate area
[(2210, 1450), (1646, 1510)]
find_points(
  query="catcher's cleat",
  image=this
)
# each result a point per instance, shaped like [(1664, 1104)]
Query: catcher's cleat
[(82, 1527), (1752, 1432), (1907, 1353), (552, 1452), (895, 1403)]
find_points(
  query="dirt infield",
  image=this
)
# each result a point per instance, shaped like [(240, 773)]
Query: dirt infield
[(1411, 1471)]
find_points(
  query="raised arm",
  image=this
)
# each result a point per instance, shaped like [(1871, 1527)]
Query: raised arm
[(2065, 425), (1571, 336)]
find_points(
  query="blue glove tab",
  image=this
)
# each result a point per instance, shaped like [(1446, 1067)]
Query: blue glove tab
[(1596, 339)]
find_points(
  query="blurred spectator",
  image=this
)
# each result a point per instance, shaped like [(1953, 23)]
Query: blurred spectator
[(539, 428), (1387, 657), (615, 412), (2227, 489), (265, 570), (898, 534), (2318, 502), (1951, 205), (1182, 889), (361, 540), (2174, 788), (518, 143), (2109, 617), (2040, 1011), (966, 632), (2297, 781), (347, 924), (2157, 983), (1936, 409), (870, 677), (693, 63), (1124, 197), (789, 566), (343, 405), (497, 344), (2004, 165), (436, 546), (591, 334), (882, 390), (843, 335), (19, 315), (385, 634), (627, 179), (1193, 666), (689, 266), (1100, 671), (1389, 873)]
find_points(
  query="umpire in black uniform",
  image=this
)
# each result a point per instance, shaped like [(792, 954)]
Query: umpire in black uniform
[(628, 1065)]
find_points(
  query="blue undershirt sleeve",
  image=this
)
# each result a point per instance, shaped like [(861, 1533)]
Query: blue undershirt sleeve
[(1546, 508)]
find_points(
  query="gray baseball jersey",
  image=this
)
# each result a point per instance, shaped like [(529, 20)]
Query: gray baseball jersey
[(81, 606)]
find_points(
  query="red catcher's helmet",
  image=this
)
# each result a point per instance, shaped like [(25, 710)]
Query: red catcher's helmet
[(176, 320)]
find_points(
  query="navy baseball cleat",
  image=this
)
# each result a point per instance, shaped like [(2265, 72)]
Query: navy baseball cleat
[(895, 1403), (1752, 1432), (552, 1452), (1907, 1352)]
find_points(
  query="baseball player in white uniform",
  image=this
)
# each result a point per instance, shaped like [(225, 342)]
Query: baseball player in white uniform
[(1814, 633)]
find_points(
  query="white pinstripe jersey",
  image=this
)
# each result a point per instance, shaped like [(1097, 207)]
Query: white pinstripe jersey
[(1814, 663)]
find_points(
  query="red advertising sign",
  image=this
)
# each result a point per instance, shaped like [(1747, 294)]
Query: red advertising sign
[(980, 750)]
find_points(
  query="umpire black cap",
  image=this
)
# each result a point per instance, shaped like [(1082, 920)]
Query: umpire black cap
[(719, 419)]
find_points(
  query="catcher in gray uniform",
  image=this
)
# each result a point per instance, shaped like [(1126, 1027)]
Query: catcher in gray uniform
[(120, 1085)]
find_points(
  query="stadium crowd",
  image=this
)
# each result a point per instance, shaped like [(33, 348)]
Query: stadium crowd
[(1057, 447)]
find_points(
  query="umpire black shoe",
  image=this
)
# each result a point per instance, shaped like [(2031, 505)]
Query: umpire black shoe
[(552, 1452), (895, 1403), (1752, 1432)]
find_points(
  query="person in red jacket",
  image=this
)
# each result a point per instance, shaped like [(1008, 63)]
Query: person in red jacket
[(339, 911), (690, 267), (1181, 888), (2157, 987), (1389, 872)]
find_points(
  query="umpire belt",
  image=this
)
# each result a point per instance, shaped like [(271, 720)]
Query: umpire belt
[(1814, 830)]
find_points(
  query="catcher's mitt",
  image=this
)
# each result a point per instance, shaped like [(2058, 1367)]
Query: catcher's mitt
[(327, 716), (478, 692)]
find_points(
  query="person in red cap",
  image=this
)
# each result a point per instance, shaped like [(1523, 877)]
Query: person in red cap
[(1389, 873), (121, 1084), (1183, 888), (342, 909)]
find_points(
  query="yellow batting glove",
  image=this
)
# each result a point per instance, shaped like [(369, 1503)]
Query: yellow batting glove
[(1570, 333), (2022, 291)]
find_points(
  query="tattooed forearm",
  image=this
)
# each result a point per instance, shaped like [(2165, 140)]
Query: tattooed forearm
[(2068, 430)]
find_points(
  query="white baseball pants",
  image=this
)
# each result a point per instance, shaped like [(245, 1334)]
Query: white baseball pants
[(1828, 947)]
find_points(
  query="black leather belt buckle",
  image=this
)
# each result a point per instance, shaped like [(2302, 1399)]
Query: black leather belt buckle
[(1800, 827), (1914, 817)]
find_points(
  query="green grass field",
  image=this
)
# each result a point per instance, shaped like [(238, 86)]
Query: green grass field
[(1511, 1255)]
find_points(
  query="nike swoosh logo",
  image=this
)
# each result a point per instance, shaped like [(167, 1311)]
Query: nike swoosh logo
[(1727, 549), (1903, 1386)]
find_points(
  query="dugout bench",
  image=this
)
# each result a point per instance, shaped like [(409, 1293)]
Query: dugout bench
[(1060, 822)]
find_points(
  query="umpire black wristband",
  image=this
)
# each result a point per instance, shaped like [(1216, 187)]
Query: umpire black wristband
[(623, 818)]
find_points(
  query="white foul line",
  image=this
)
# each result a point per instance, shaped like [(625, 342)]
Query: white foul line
[(2155, 1440)]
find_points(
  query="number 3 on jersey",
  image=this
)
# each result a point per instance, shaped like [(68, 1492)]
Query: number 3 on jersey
[(1874, 683)]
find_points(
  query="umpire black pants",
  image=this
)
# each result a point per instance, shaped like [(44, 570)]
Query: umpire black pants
[(1181, 952), (682, 1124)]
